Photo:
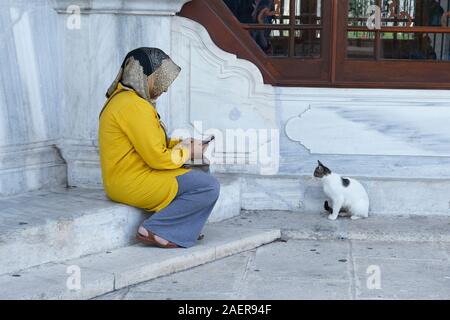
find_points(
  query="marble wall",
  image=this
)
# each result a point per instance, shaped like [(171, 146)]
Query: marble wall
[(367, 132), (363, 132)]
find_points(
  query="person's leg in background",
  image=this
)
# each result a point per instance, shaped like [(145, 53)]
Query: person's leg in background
[(183, 219)]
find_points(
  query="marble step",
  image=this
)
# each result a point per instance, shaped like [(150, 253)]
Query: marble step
[(97, 274), (61, 224), (316, 226), (388, 196)]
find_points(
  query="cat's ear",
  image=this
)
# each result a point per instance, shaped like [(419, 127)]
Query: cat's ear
[(326, 171)]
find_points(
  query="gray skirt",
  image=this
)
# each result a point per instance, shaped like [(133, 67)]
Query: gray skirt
[(184, 218)]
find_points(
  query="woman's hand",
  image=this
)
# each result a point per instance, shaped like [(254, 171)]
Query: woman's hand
[(196, 146)]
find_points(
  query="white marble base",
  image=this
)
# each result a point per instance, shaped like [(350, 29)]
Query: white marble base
[(229, 203), (387, 196), (30, 167)]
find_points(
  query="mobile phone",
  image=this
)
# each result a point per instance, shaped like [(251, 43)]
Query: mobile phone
[(208, 140)]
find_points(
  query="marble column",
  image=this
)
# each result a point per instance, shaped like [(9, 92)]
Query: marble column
[(31, 97)]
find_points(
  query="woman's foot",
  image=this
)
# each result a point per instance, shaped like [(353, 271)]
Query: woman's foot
[(152, 239), (160, 240)]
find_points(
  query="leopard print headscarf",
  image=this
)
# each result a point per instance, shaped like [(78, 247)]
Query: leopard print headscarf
[(142, 63), (137, 67)]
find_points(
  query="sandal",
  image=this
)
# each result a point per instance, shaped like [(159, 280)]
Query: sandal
[(151, 240)]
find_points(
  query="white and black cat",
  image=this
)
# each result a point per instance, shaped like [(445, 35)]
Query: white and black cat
[(347, 195)]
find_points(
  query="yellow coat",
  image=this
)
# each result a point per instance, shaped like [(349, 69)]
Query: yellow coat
[(138, 168)]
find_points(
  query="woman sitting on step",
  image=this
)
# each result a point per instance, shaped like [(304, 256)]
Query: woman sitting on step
[(141, 166)]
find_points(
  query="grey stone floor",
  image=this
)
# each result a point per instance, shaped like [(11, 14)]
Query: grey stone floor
[(312, 269)]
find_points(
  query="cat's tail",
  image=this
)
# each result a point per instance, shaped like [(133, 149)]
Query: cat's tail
[(361, 209)]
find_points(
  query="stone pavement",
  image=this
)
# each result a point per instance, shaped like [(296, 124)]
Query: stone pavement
[(397, 257), (312, 269)]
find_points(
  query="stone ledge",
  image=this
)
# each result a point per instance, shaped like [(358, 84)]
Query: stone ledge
[(316, 226), (52, 226), (129, 7), (31, 166)]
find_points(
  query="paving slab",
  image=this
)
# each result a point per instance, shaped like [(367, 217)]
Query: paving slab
[(399, 250), (53, 281), (402, 279), (262, 288), (309, 260), (226, 280), (299, 270)]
